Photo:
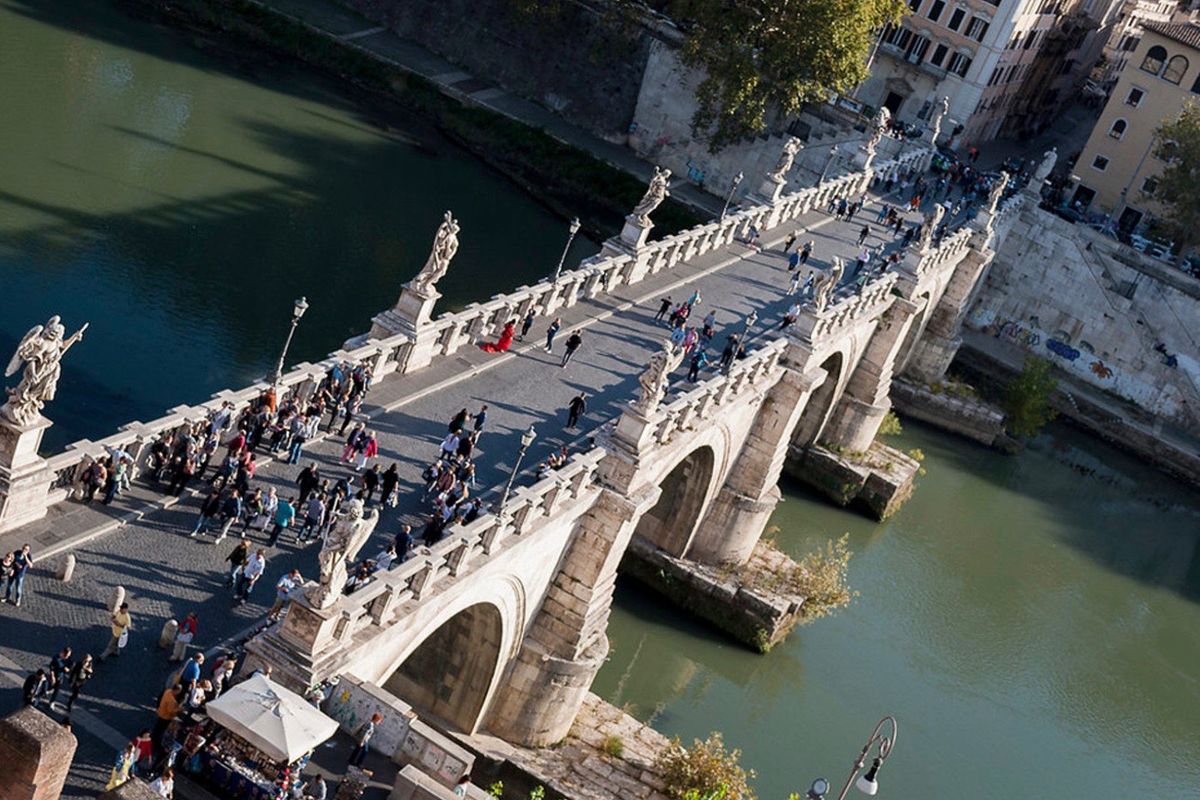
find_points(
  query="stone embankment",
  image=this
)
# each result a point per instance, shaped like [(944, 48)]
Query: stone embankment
[(962, 413), (751, 602), (1144, 439), (607, 754), (876, 481)]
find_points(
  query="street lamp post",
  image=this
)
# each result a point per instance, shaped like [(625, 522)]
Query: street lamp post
[(737, 180), (833, 151), (526, 439), (751, 318), (574, 229), (867, 783), (298, 309)]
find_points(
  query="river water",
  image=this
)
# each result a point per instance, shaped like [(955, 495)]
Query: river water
[(180, 197), (1035, 628)]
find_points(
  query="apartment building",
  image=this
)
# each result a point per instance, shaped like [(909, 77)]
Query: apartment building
[(1007, 67), (1126, 32), (1117, 170)]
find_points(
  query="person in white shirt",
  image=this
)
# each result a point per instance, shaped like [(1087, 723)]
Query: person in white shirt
[(255, 566), (164, 785)]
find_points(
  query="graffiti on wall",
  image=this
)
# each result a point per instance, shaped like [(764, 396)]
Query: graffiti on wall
[(1062, 349), (1011, 329), (1101, 370)]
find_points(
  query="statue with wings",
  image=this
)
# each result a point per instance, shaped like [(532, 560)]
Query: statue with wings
[(445, 245), (652, 383), (40, 351), (347, 536)]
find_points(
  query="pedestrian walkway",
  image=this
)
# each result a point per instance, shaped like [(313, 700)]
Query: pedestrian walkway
[(141, 544)]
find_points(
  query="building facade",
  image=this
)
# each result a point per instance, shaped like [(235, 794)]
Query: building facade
[(1126, 32), (1117, 171), (1007, 67)]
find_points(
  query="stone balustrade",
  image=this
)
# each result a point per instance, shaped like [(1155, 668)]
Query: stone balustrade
[(747, 375), (464, 545), (594, 277)]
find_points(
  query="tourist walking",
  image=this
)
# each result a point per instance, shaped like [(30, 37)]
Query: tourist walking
[(34, 689), (573, 344), (237, 560), (388, 484), (480, 419), (806, 251), (285, 514), (863, 234), (255, 566), (119, 624), (526, 324), (551, 332), (184, 635), (576, 409), (60, 672), (231, 511), (699, 361), (283, 590), (18, 568), (664, 306), (790, 241), (363, 739), (126, 758), (80, 674)]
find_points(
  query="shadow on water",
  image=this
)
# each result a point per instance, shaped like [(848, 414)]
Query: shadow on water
[(181, 213), (1125, 516)]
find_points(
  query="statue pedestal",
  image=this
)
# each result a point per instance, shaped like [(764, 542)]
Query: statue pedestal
[(863, 156), (24, 477), (770, 191), (631, 240), (410, 316), (304, 649)]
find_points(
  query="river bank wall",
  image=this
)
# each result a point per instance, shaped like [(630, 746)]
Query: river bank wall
[(557, 172)]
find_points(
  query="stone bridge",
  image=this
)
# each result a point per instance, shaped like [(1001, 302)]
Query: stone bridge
[(501, 625)]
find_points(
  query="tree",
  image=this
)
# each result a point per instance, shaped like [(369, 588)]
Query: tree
[(1178, 143), (1027, 398), (762, 56), (704, 771)]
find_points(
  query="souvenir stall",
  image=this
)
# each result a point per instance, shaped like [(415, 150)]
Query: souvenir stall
[(263, 741)]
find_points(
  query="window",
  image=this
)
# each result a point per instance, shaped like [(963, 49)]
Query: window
[(1029, 40), (935, 10), (977, 28), (956, 19), (1134, 98), (903, 38), (1130, 44), (1155, 57), (1150, 186), (1100, 163), (995, 76), (1118, 129), (959, 64), (1176, 68), (914, 5), (939, 55)]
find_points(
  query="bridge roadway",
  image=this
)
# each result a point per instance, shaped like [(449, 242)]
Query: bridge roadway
[(167, 574)]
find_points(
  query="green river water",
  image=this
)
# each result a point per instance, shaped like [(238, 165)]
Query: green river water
[(1033, 621)]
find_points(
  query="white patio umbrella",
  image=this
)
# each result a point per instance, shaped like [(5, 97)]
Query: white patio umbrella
[(276, 720)]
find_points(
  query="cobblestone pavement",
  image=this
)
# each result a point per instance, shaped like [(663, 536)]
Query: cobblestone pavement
[(166, 574)]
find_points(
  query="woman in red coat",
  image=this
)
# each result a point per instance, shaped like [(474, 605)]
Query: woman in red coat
[(505, 340)]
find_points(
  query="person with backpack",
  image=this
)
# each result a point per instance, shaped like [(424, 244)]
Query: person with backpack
[(231, 512)]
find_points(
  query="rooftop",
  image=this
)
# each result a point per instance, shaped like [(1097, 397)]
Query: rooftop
[(1184, 33)]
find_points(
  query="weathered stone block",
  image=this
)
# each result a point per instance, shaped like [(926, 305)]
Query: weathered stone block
[(36, 753)]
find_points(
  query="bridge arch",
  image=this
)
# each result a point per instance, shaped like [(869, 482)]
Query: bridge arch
[(820, 404), (450, 663), (685, 491)]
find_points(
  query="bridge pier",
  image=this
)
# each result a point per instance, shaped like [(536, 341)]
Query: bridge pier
[(740, 512), (858, 416), (933, 352), (566, 644)]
